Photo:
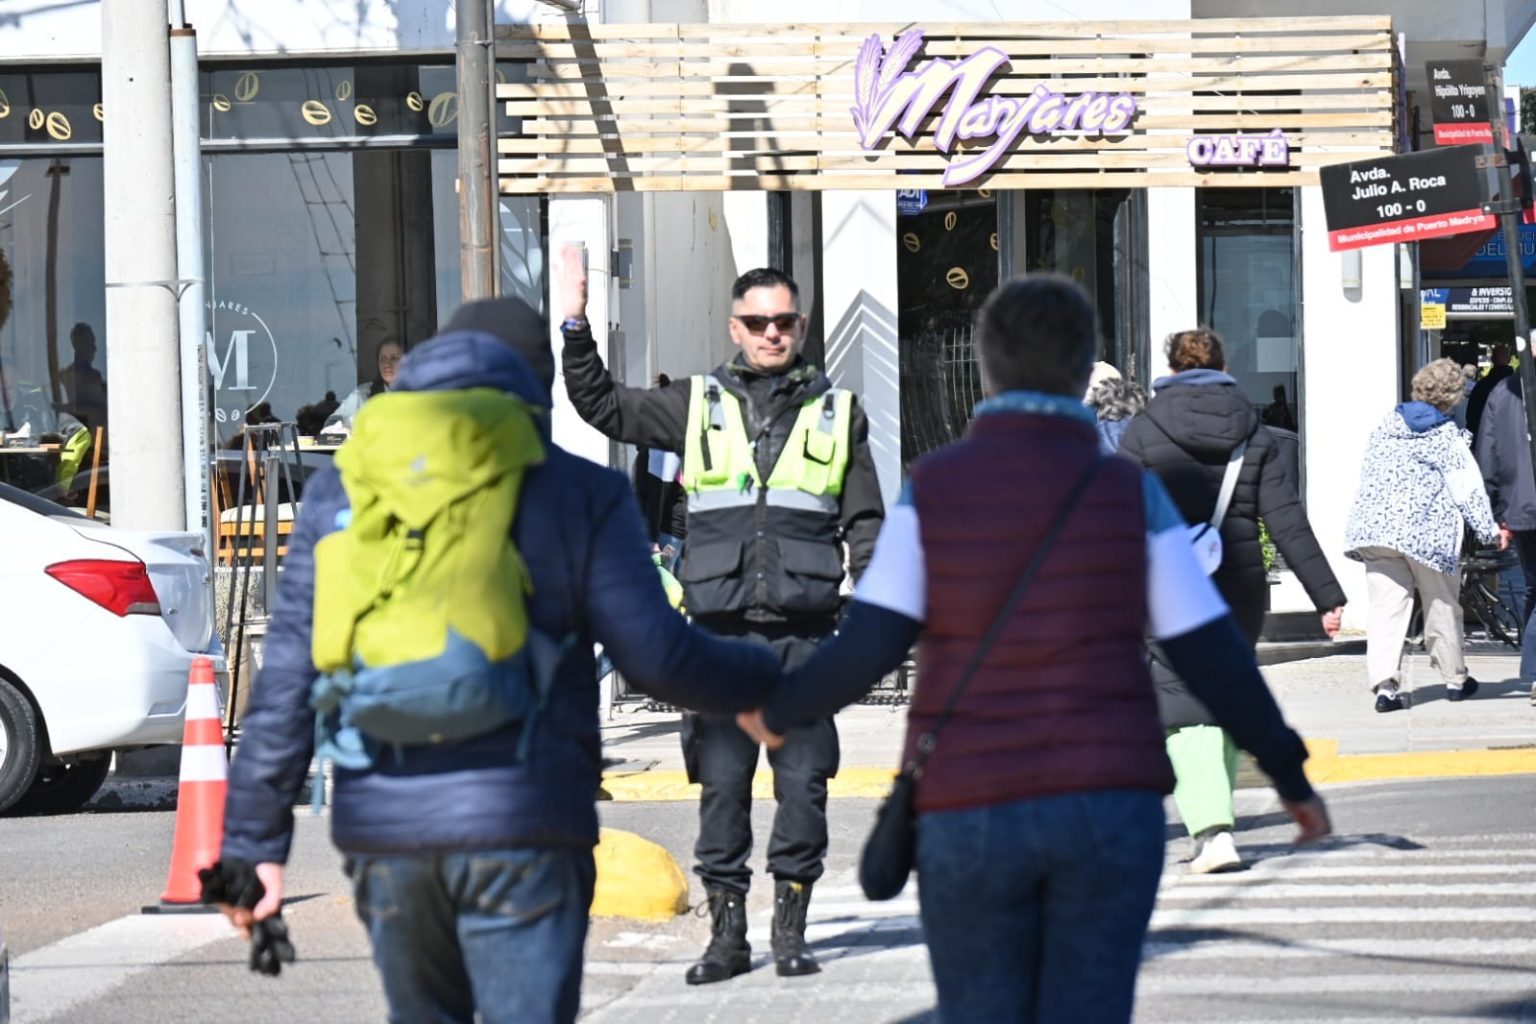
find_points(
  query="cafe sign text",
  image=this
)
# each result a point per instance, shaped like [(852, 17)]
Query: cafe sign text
[(887, 95)]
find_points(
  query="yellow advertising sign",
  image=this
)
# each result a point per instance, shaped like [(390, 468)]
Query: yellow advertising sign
[(1432, 316)]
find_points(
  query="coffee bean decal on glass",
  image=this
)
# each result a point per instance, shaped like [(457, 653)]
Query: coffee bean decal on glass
[(950, 219), (221, 103), (993, 241), (363, 114), (444, 109), (316, 113), (958, 279), (247, 86), (911, 241), (415, 102)]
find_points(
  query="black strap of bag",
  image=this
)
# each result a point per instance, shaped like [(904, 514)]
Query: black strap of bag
[(926, 741)]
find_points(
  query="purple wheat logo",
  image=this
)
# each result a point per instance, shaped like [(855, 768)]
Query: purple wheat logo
[(887, 96)]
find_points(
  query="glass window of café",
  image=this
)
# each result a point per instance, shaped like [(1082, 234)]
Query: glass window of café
[(1247, 287), (53, 354), (332, 224), (334, 233)]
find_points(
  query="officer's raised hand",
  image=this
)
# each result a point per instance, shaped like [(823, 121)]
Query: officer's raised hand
[(573, 281)]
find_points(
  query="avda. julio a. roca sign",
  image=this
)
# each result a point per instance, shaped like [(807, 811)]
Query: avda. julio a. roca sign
[(1405, 198)]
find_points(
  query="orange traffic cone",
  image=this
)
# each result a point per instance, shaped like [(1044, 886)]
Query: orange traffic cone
[(201, 792)]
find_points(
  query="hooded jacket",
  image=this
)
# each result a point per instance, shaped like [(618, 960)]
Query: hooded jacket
[(1418, 485), (579, 531), (1193, 423), (1504, 455)]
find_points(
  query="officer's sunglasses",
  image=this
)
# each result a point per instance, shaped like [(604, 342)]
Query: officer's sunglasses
[(785, 322)]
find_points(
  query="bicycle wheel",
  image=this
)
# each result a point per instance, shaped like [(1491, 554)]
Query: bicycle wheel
[(1500, 620)]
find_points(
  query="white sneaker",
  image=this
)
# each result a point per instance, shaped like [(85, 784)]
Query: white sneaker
[(1214, 854)]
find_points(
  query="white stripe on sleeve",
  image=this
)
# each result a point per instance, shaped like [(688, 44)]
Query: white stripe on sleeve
[(1180, 596), (897, 578)]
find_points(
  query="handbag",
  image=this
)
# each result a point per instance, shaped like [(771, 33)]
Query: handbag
[(1205, 538), (891, 848)]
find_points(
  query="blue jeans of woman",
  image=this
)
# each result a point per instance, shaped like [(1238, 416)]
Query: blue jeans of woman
[(498, 931), (1035, 911)]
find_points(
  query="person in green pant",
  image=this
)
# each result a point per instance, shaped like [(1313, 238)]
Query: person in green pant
[(1202, 438)]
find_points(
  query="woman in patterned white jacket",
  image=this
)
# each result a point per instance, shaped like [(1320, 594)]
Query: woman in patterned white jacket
[(1418, 486)]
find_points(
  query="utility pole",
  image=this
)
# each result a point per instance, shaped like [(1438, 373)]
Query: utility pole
[(477, 197), (143, 378), (1507, 207), (191, 263)]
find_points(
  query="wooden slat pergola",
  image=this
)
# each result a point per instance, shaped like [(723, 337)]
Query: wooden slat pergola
[(669, 107)]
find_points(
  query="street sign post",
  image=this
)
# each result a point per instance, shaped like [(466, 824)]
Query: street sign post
[(1458, 102), (1406, 198)]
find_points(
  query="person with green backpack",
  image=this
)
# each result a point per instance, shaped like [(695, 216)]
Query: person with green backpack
[(433, 635)]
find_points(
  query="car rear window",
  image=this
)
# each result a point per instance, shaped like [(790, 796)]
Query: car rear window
[(33, 503)]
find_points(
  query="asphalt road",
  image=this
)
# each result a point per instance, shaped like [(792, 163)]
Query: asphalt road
[(1421, 910)]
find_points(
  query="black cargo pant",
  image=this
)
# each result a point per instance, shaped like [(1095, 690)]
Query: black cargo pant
[(722, 759)]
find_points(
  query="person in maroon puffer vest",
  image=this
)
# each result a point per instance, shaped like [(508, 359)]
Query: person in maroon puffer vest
[(1040, 824)]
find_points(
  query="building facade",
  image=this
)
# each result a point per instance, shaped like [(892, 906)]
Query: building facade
[(329, 180)]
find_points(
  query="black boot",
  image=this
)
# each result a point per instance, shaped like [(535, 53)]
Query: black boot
[(727, 954), (791, 956)]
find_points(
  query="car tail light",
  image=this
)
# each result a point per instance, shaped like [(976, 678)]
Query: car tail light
[(122, 588)]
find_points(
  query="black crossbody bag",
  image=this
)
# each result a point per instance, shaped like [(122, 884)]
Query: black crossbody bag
[(892, 844)]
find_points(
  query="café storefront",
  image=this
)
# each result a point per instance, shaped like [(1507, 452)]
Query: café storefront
[(1006, 147)]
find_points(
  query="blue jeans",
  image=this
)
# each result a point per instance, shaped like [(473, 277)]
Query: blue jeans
[(1035, 911), (498, 931)]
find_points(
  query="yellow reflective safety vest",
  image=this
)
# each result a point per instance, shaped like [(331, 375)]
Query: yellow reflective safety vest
[(769, 549)]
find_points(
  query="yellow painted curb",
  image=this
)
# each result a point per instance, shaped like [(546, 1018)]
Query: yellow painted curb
[(637, 879), (674, 785), (1327, 765)]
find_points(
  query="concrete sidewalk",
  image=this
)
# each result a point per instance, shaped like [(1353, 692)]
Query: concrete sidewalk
[(1326, 699)]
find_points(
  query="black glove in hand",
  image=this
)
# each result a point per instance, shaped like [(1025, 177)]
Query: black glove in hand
[(234, 883), (231, 882), (270, 948)]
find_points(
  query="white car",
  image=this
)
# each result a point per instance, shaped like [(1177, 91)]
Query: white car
[(98, 630)]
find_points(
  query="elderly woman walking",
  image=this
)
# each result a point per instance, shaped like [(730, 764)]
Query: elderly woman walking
[(1040, 768), (1418, 486)]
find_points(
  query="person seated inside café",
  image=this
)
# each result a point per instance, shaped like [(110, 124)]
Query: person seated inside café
[(390, 354)]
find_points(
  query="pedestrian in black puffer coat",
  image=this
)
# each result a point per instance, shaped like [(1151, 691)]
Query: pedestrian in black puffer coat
[(1195, 421)]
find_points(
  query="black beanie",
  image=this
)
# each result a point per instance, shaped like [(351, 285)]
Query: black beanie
[(515, 324)]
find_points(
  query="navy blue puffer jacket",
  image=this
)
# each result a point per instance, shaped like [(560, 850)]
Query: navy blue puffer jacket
[(580, 532)]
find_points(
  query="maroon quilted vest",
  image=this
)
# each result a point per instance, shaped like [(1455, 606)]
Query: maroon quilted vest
[(1063, 703)]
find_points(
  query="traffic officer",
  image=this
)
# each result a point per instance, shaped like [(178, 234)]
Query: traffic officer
[(778, 476)]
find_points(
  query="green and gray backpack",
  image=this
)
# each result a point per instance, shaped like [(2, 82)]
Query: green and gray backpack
[(421, 632)]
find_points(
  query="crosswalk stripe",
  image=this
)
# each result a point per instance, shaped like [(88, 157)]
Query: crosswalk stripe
[(1481, 983), (1351, 890), (628, 968), (1270, 869), (49, 982), (1198, 917), (1200, 948)]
